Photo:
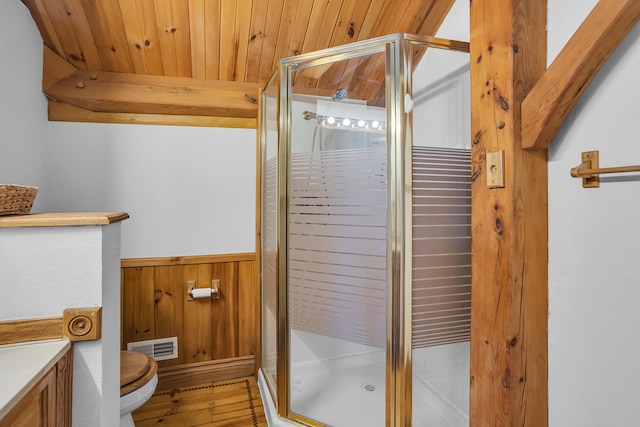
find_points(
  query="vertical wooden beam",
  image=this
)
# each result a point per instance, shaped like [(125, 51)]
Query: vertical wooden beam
[(509, 225)]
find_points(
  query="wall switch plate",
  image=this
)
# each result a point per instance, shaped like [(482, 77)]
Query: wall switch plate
[(495, 169)]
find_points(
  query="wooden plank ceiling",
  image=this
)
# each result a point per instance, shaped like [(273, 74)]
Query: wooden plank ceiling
[(175, 52)]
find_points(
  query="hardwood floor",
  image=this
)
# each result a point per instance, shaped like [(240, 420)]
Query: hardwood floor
[(229, 403)]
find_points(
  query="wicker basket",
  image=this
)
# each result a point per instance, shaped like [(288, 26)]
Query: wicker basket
[(16, 199)]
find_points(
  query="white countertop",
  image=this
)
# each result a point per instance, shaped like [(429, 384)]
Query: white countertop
[(23, 365)]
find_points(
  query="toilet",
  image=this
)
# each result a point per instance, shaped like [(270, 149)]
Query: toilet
[(138, 381)]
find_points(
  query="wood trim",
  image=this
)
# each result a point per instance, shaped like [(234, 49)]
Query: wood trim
[(509, 310), (205, 372), (62, 219), (54, 68), (551, 100), (186, 260), (103, 91), (25, 330), (61, 112)]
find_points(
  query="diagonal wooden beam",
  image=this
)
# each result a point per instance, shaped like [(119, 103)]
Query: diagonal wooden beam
[(547, 105), (509, 223), (101, 91)]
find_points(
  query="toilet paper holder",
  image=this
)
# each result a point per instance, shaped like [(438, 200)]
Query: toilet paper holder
[(195, 293)]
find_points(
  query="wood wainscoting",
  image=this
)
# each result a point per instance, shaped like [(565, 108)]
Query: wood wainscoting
[(155, 305)]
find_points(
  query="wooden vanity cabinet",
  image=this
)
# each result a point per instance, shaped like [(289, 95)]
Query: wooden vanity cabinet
[(48, 403)]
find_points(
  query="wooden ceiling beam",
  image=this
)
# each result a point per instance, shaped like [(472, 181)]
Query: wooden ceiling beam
[(107, 92), (552, 98), (509, 279)]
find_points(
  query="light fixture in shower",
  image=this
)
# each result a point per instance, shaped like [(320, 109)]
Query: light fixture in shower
[(344, 122)]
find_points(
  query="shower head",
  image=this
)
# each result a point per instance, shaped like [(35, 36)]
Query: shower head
[(339, 95)]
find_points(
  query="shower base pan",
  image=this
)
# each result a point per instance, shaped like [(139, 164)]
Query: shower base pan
[(346, 392)]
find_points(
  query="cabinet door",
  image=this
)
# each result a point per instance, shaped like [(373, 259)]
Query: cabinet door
[(37, 408)]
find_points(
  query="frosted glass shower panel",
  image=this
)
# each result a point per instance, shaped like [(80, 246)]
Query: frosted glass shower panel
[(269, 250), (337, 242)]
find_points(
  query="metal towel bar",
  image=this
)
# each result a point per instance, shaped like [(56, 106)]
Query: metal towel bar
[(589, 170)]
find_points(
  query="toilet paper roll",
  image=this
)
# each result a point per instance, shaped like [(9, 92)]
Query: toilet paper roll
[(201, 293)]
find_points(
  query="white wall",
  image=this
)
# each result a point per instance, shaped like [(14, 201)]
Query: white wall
[(23, 112), (594, 292), (188, 190), (50, 269)]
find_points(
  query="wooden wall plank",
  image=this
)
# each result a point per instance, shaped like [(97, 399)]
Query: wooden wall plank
[(551, 100), (222, 339), (509, 225), (170, 295), (130, 306), (204, 308), (146, 308), (190, 320), (248, 308), (207, 329)]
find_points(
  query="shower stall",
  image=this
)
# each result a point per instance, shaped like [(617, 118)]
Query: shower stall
[(365, 235)]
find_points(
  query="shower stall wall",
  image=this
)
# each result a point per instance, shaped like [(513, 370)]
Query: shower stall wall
[(365, 235)]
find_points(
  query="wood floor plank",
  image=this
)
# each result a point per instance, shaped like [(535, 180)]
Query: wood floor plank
[(228, 403)]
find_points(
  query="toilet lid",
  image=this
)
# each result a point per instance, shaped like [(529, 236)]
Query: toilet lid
[(136, 369)]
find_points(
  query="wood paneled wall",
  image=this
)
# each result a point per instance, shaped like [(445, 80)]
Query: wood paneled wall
[(155, 305)]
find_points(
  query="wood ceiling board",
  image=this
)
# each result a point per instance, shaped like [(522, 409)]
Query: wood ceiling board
[(77, 20), (281, 51), (256, 40), (300, 26), (271, 29), (141, 32), (181, 36), (107, 27), (63, 25), (44, 24), (352, 11), (212, 38), (243, 26), (197, 35), (167, 28)]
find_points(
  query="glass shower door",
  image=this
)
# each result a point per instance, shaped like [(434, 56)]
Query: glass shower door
[(337, 242)]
